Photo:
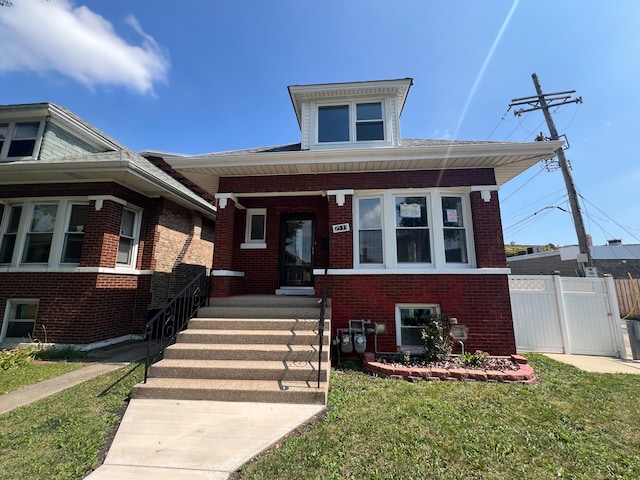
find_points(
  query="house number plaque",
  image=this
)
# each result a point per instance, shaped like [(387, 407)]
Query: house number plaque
[(340, 227)]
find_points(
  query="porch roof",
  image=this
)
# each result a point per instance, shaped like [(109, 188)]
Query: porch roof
[(507, 160)]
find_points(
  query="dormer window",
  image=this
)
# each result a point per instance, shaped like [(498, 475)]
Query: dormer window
[(18, 139), (352, 122)]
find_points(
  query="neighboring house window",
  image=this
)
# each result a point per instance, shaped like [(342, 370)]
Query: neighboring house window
[(353, 122), (20, 319), (410, 319), (370, 231), (19, 139), (74, 235), (10, 234), (43, 233), (255, 232), (127, 243), (420, 229), (40, 233)]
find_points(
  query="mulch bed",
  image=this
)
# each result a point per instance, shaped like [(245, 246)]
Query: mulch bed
[(509, 369)]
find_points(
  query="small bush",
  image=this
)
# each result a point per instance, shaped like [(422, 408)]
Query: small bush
[(476, 359), (436, 339), (15, 358)]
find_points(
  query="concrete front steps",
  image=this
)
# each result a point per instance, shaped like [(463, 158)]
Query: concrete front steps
[(247, 349)]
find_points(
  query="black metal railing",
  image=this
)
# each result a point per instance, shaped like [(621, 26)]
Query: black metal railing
[(163, 328), (323, 304)]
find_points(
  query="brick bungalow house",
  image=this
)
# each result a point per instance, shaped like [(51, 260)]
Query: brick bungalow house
[(403, 227), (93, 237)]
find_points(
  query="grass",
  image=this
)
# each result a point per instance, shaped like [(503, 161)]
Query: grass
[(61, 437), (571, 424), (21, 367)]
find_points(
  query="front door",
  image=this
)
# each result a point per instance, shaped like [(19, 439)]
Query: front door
[(297, 237)]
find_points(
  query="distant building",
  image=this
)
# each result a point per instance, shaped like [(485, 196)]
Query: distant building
[(613, 259)]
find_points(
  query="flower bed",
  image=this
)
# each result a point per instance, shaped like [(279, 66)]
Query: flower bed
[(511, 369)]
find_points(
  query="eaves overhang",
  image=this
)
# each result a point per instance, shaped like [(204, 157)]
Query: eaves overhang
[(507, 160), (118, 167)]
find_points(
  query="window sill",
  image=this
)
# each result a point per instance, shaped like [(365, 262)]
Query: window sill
[(253, 246)]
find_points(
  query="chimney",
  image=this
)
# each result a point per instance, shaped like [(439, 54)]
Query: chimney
[(614, 242)]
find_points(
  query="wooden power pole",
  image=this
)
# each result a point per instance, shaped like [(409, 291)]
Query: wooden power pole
[(543, 101)]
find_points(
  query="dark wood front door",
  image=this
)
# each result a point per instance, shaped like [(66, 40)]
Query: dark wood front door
[(297, 238)]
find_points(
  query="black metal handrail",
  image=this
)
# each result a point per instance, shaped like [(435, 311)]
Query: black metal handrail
[(323, 303), (163, 328)]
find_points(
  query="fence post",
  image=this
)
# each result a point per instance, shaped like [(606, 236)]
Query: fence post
[(562, 315), (616, 323)]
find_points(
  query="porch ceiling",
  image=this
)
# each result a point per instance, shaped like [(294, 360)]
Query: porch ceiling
[(508, 160)]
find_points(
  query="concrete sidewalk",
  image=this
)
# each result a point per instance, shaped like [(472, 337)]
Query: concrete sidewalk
[(594, 364), (195, 439), (99, 361)]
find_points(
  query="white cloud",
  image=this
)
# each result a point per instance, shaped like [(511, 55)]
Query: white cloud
[(41, 36)]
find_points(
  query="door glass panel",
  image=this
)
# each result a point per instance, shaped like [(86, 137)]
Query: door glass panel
[(297, 254)]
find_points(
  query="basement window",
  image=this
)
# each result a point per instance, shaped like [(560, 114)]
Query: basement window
[(409, 322), (20, 319)]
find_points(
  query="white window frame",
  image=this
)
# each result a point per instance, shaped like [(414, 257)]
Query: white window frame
[(254, 243), (412, 348), (63, 213), (435, 225), (137, 222), (353, 121), (8, 318), (4, 151), (66, 232)]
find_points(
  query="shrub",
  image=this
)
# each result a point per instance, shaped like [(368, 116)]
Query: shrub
[(436, 339), (476, 359)]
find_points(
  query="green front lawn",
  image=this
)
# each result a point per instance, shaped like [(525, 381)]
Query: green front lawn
[(571, 424), (13, 379), (60, 437)]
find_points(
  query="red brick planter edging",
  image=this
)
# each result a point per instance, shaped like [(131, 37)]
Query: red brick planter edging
[(524, 374)]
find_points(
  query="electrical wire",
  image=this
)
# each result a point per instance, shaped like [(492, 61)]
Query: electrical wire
[(522, 186), (608, 217)]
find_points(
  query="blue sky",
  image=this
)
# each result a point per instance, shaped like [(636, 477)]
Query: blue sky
[(197, 76)]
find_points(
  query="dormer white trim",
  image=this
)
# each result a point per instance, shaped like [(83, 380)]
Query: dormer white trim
[(307, 99)]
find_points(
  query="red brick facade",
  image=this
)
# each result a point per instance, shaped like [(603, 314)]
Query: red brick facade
[(86, 305), (479, 299)]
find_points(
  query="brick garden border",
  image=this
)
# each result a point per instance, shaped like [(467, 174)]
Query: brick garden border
[(524, 374)]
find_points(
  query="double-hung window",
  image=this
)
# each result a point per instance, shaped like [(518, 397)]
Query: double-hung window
[(370, 231), (416, 229), (8, 244), (127, 243), (39, 234), (19, 139), (413, 243), (454, 232), (74, 234), (351, 122)]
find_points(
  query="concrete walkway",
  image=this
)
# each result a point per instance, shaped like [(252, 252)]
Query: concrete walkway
[(590, 363), (99, 361)]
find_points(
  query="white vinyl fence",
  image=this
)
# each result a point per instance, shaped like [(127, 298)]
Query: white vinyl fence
[(554, 314)]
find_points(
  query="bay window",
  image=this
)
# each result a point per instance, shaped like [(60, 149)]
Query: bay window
[(40, 233), (74, 235), (420, 228)]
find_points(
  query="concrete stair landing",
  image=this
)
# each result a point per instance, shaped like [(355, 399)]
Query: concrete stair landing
[(259, 348)]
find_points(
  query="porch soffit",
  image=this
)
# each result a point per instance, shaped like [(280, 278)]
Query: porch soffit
[(508, 160)]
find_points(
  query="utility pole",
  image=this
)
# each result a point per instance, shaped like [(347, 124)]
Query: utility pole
[(543, 102)]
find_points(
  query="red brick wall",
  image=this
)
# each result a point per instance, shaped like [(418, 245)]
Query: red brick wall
[(364, 180), (81, 308), (480, 302), (487, 231)]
